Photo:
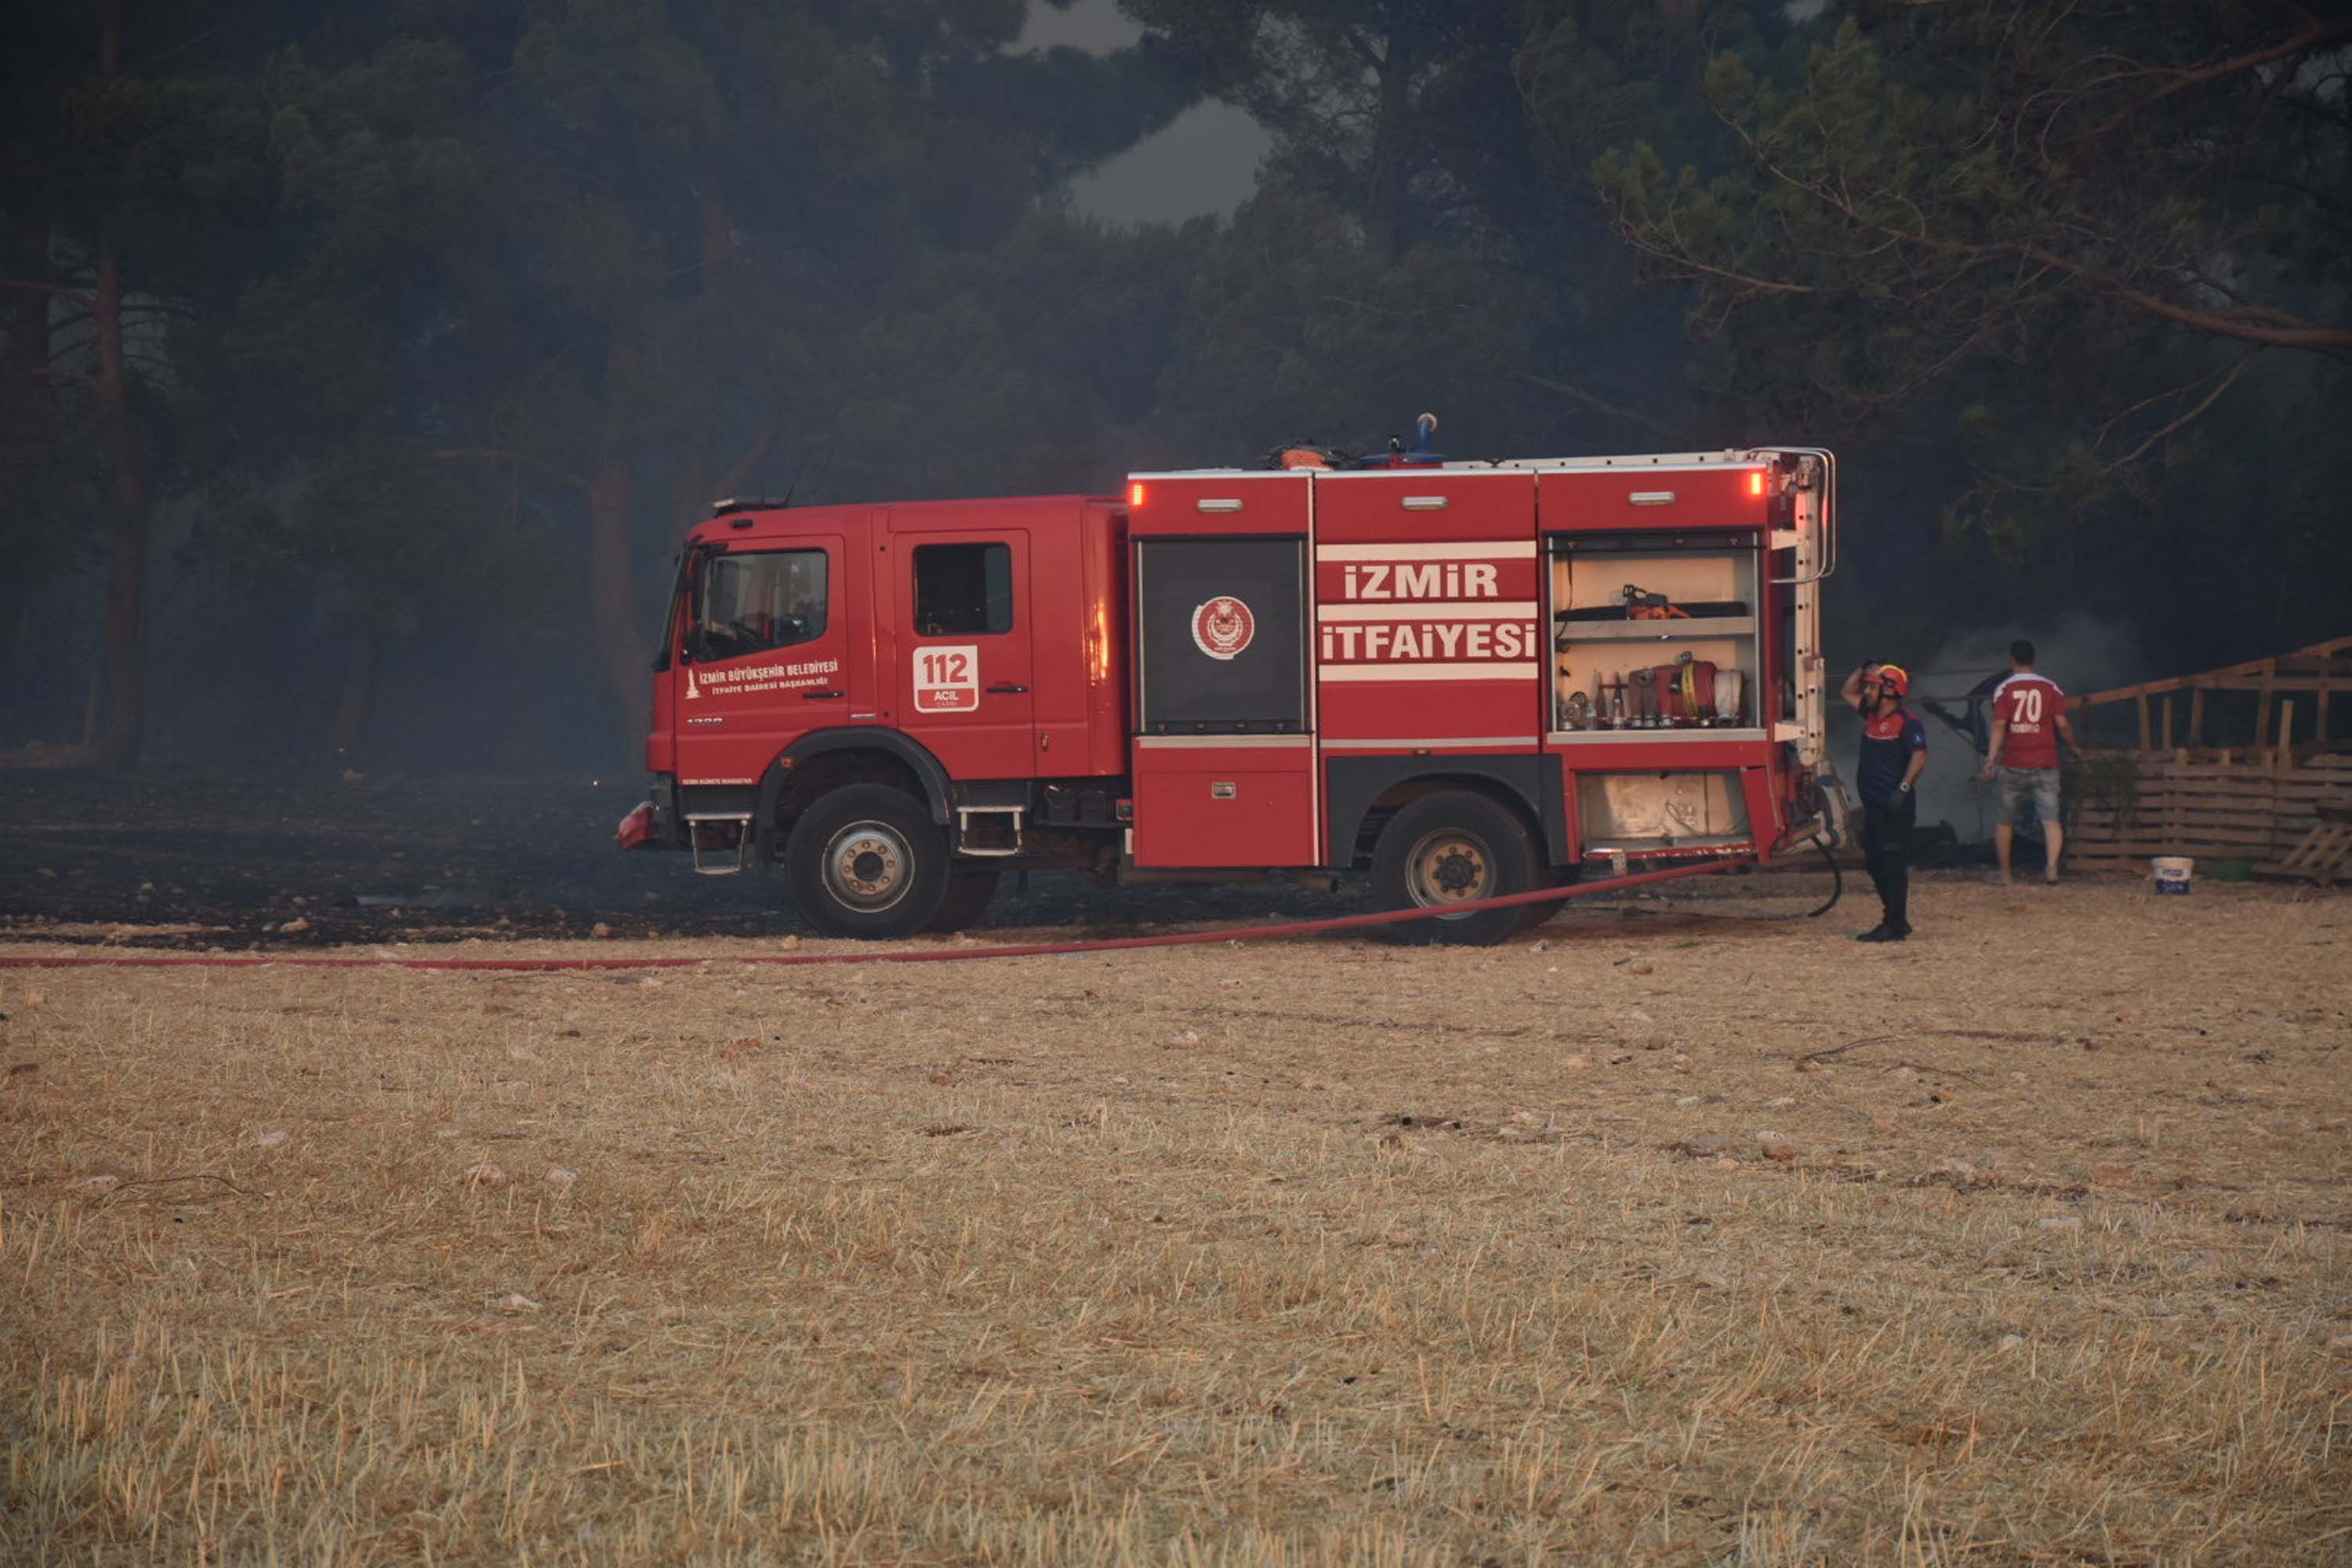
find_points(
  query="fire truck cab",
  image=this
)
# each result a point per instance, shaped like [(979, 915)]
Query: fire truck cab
[(1465, 680)]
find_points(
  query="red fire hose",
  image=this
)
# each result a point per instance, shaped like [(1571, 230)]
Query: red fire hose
[(926, 955)]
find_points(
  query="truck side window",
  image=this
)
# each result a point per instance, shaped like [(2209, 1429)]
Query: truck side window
[(962, 590), (752, 601)]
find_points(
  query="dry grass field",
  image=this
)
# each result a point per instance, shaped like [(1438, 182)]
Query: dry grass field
[(1663, 1236)]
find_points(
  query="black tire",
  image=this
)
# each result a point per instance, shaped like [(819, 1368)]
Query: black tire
[(968, 894), (1447, 847), (867, 861)]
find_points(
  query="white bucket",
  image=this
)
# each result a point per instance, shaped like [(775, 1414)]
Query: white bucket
[(2172, 872)]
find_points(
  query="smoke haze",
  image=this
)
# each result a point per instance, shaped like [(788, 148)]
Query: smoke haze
[(425, 330)]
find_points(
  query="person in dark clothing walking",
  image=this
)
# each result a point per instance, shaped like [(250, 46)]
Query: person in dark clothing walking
[(1894, 755)]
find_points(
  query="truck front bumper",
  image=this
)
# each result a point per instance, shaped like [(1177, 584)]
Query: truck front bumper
[(655, 820)]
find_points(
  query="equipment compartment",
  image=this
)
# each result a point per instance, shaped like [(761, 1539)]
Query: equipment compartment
[(1221, 644), (1224, 806), (1655, 636), (1647, 812)]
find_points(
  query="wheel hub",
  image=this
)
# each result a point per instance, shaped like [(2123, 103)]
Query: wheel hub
[(1451, 868), (865, 866)]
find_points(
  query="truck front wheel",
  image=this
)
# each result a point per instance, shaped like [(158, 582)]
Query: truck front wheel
[(1453, 848), (866, 861)]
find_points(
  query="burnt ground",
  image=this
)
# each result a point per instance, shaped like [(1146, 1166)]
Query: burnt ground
[(202, 862), (1709, 1240)]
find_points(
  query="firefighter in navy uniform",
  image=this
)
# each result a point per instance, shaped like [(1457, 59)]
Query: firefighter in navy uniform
[(1894, 755)]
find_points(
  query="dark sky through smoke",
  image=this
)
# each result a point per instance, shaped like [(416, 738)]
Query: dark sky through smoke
[(1206, 162)]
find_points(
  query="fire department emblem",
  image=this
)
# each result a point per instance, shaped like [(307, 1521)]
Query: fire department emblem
[(1223, 627)]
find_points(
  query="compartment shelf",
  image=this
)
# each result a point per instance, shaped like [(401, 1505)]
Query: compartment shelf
[(1693, 735), (1654, 631)]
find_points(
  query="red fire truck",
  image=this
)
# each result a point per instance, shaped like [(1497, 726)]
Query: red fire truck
[(1461, 679)]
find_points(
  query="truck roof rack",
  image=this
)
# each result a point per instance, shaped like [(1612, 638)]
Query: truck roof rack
[(749, 503)]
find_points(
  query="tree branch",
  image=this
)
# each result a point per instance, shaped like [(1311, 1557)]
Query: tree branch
[(2122, 413), (27, 285), (2260, 324), (1578, 394), (1682, 259), (154, 60), (2305, 42), (59, 372), (2228, 324), (2237, 370)]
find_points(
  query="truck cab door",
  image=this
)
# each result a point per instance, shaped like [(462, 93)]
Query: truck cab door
[(965, 661), (761, 655)]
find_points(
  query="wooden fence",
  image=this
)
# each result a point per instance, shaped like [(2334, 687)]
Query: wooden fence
[(2255, 805), (2316, 676)]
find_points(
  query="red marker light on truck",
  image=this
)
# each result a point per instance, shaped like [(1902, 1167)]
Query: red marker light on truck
[(1135, 495)]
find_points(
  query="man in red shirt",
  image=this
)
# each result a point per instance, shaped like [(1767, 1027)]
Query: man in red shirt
[(2029, 716)]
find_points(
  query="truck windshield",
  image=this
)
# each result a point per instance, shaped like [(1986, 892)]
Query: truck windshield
[(752, 601)]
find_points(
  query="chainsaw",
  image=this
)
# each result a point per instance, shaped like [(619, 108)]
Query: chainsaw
[(1643, 605)]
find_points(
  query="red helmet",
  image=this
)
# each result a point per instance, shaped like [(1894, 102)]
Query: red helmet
[(1894, 679)]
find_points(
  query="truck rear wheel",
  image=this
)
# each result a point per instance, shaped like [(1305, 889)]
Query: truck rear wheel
[(968, 894), (867, 860), (1534, 915), (1453, 848)]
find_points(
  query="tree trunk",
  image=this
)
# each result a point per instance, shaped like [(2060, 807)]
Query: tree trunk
[(1384, 197), (29, 324), (126, 534), (622, 649), (359, 696), (690, 489), (28, 407), (689, 486), (717, 237), (627, 657)]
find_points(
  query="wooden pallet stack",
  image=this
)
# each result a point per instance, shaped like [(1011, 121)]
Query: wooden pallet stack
[(2326, 851), (2261, 807), (2279, 805)]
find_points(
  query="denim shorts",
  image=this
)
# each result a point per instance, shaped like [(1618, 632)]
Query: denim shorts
[(2020, 786)]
